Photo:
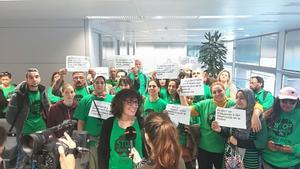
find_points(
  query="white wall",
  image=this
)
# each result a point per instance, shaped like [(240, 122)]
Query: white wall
[(40, 44), (153, 54)]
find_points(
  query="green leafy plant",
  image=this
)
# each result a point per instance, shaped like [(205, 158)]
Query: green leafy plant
[(212, 53)]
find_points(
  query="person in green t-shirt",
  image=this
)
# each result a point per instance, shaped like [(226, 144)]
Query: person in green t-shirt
[(172, 95), (28, 107), (116, 140), (252, 143), (152, 101), (211, 145), (230, 88), (8, 89), (86, 120), (283, 147), (140, 80), (53, 98)]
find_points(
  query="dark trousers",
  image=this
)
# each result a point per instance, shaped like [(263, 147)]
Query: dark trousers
[(208, 159)]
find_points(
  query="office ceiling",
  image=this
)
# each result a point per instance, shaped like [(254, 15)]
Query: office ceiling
[(163, 20)]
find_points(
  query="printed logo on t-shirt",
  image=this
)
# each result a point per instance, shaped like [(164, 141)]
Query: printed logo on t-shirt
[(35, 107), (122, 146), (211, 118), (78, 97), (283, 127)]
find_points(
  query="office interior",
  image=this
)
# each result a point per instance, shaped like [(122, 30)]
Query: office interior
[(262, 37)]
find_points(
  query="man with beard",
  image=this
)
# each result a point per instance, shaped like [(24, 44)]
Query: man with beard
[(28, 110), (79, 83), (263, 97)]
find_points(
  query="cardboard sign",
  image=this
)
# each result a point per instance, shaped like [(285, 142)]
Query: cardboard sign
[(167, 71), (179, 114), (234, 118), (102, 71), (192, 87), (77, 63), (103, 107)]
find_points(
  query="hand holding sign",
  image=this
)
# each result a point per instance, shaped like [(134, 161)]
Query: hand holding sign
[(228, 117)]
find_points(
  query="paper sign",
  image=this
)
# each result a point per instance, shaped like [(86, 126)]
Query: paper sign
[(77, 63), (167, 71), (103, 107), (102, 71), (192, 87), (125, 63), (179, 114), (227, 117)]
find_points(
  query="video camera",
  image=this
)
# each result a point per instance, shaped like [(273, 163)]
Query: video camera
[(42, 146)]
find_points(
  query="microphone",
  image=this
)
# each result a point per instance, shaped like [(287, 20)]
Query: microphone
[(130, 134)]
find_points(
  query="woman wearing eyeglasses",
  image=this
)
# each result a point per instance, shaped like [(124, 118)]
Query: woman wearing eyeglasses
[(153, 101), (115, 145), (283, 147)]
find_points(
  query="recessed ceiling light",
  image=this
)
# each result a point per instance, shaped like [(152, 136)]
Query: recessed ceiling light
[(224, 17), (247, 35)]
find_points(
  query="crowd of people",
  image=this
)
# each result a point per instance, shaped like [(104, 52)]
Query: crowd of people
[(139, 132)]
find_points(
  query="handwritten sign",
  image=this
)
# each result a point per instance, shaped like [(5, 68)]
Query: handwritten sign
[(179, 114), (192, 87), (167, 71), (77, 63), (125, 63), (227, 117), (102, 71), (103, 108)]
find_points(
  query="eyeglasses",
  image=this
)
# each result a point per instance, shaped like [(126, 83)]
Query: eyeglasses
[(153, 86), (288, 101), (131, 102)]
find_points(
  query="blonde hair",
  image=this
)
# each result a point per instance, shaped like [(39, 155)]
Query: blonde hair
[(163, 135)]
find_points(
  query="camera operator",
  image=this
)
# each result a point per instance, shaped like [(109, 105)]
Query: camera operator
[(67, 161), (3, 136)]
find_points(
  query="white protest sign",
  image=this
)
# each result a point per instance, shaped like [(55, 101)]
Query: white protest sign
[(167, 71), (227, 117), (77, 63), (103, 108), (189, 62), (125, 63), (102, 71), (179, 114), (191, 87)]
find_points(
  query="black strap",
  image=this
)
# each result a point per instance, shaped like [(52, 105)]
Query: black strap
[(97, 108)]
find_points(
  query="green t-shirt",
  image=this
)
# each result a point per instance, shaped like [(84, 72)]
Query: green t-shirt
[(119, 146), (8, 91), (112, 82), (34, 121), (210, 140), (52, 98), (285, 131), (158, 106), (163, 93), (80, 93), (170, 100), (266, 101), (143, 79), (92, 125)]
